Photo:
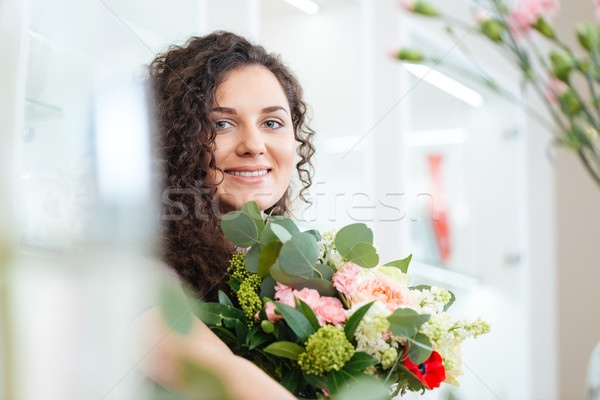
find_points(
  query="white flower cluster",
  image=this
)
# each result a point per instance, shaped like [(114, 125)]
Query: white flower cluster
[(327, 250), (373, 337), (431, 301)]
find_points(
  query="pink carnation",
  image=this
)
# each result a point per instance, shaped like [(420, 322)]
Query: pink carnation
[(528, 12), (309, 296), (554, 89), (330, 310), (345, 279), (393, 296), (284, 294)]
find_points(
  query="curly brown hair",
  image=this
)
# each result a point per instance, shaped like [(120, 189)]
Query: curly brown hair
[(184, 80)]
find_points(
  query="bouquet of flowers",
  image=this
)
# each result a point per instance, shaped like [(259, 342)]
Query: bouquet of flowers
[(317, 312)]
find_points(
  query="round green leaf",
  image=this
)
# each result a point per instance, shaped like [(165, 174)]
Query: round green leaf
[(299, 254), (253, 211), (252, 257), (324, 287), (281, 233), (267, 258), (405, 322), (287, 279), (239, 229), (349, 235), (420, 349), (363, 254)]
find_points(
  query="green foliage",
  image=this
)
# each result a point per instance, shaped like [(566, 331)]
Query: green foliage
[(361, 360), (240, 229), (401, 264), (268, 256), (308, 313), (285, 349), (299, 255), (363, 388), (405, 322), (324, 287), (420, 348), (353, 322), (327, 350), (252, 258), (215, 313), (355, 243), (296, 321)]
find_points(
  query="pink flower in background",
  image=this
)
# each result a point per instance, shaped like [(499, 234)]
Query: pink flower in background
[(393, 296), (345, 280), (330, 310), (407, 4), (555, 88), (284, 294), (528, 12)]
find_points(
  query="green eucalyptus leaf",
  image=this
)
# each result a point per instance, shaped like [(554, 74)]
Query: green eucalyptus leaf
[(267, 287), (253, 211), (324, 287), (285, 349), (354, 320), (420, 348), (280, 232), (296, 321), (268, 256), (252, 258), (405, 322), (363, 254), (325, 270), (287, 279), (315, 233), (299, 254), (349, 235), (287, 223), (339, 380), (402, 264), (239, 229)]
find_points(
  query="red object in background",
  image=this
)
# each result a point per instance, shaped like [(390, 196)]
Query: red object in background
[(439, 209), (431, 372)]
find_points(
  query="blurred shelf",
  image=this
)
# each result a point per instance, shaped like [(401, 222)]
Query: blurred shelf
[(443, 275), (40, 109)]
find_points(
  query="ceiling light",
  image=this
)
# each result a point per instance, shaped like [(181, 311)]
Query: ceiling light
[(446, 84), (308, 6)]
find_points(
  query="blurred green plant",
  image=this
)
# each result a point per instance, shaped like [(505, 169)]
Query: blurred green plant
[(565, 79)]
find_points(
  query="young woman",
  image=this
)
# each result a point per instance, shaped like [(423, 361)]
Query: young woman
[(231, 122)]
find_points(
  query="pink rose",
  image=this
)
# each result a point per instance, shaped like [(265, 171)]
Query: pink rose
[(270, 311), (393, 296), (345, 279), (330, 310)]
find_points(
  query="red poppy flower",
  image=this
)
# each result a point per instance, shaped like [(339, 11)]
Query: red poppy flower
[(431, 372)]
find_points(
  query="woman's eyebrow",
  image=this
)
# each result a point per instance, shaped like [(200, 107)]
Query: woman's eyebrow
[(225, 110), (273, 109)]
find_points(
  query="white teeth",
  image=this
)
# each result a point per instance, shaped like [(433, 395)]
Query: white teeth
[(248, 173)]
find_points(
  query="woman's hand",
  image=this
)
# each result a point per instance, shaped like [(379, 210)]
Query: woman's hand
[(163, 349)]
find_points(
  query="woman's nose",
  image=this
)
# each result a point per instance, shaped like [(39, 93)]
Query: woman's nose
[(251, 142)]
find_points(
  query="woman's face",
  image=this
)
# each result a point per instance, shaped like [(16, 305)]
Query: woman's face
[(255, 145)]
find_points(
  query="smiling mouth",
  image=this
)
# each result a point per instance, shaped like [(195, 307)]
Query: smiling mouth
[(248, 173)]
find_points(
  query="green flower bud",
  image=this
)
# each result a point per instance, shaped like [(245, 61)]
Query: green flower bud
[(571, 102), (492, 28), (326, 350), (562, 64), (421, 7), (267, 326), (409, 55), (543, 27), (587, 34)]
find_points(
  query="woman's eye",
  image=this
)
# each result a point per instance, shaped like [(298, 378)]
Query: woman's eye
[(272, 124), (223, 124)]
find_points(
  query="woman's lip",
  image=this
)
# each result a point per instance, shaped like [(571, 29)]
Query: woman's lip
[(249, 168), (250, 179)]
